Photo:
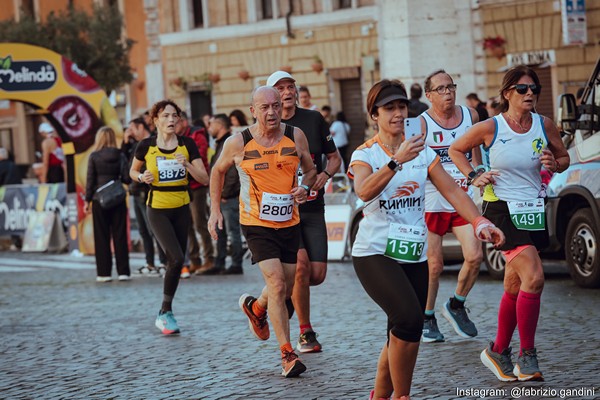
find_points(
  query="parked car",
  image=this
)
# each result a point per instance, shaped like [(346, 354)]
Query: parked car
[(573, 209)]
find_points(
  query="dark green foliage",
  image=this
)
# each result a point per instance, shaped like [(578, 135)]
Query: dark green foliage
[(94, 42)]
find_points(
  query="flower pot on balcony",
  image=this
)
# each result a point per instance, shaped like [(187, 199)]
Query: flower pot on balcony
[(214, 78), (499, 52), (244, 75), (286, 68), (317, 67)]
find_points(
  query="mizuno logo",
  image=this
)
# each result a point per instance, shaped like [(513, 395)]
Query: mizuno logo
[(505, 140)]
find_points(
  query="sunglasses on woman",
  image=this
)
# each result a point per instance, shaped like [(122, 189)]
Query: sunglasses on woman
[(521, 88)]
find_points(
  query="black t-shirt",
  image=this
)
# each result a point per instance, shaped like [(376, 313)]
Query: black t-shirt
[(320, 142)]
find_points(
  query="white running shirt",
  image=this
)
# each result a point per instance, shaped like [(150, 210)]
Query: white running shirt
[(401, 203), (440, 139), (517, 157)]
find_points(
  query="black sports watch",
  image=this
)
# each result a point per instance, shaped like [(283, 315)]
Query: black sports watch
[(472, 175), (394, 165)]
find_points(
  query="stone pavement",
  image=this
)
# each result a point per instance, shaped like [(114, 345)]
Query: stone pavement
[(66, 337)]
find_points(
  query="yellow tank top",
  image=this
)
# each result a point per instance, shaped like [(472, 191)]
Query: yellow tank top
[(170, 186), (267, 176)]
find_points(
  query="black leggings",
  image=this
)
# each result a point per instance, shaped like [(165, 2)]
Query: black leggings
[(170, 227), (399, 289)]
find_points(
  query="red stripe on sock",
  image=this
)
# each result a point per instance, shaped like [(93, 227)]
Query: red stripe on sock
[(304, 328)]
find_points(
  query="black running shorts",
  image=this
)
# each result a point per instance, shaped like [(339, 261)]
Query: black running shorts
[(267, 243), (497, 212), (313, 236)]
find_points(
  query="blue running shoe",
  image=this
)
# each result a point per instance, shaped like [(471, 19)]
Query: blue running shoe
[(459, 320), (167, 323)]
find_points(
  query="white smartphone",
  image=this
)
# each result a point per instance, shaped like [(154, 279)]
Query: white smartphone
[(412, 127)]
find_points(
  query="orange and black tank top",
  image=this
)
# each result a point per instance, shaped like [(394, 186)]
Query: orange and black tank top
[(267, 176)]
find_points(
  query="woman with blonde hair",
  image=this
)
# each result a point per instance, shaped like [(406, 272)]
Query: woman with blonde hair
[(106, 164)]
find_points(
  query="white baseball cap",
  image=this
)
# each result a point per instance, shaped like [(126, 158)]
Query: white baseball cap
[(277, 76), (45, 127)]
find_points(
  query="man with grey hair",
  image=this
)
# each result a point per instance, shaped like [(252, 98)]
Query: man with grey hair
[(267, 155), (443, 123), (312, 255)]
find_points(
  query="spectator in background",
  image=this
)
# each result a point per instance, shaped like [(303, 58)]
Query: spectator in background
[(304, 99), (206, 119), (149, 122), (53, 158), (340, 131), (327, 114), (198, 205), (137, 131), (479, 106), (9, 173), (238, 121), (493, 106), (107, 163), (415, 106), (219, 128)]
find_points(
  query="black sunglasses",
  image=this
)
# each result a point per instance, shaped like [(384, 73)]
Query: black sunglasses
[(521, 88)]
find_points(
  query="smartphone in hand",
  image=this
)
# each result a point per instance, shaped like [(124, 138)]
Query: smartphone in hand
[(412, 127)]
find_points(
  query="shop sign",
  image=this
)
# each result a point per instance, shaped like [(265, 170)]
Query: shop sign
[(532, 58)]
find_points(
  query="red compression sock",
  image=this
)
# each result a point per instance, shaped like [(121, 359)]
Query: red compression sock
[(528, 313), (507, 322)]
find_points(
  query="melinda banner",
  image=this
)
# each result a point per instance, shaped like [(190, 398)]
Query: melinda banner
[(73, 103), (19, 202)]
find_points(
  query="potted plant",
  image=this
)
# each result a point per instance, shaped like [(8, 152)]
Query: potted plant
[(214, 78), (286, 68), (317, 64), (495, 46), (244, 74), (178, 83)]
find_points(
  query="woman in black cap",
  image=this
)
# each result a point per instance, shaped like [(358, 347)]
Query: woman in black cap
[(389, 252)]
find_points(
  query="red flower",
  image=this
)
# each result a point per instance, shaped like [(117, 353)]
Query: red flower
[(493, 42)]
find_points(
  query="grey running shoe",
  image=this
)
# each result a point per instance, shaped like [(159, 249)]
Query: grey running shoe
[(527, 368), (459, 320), (308, 343), (499, 363), (431, 332)]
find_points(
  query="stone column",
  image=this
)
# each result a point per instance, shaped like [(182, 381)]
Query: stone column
[(416, 38), (154, 70)]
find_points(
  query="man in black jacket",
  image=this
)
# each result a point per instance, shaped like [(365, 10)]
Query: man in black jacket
[(9, 174), (220, 128)]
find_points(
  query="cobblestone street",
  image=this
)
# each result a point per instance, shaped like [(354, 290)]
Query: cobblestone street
[(66, 336)]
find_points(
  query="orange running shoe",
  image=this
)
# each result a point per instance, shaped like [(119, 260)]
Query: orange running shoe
[(258, 325), (291, 365), (185, 272)]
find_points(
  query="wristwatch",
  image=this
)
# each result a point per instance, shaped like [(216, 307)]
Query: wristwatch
[(140, 177), (472, 175), (306, 187), (394, 165)]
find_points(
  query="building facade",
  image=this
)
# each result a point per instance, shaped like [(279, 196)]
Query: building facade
[(561, 43)]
